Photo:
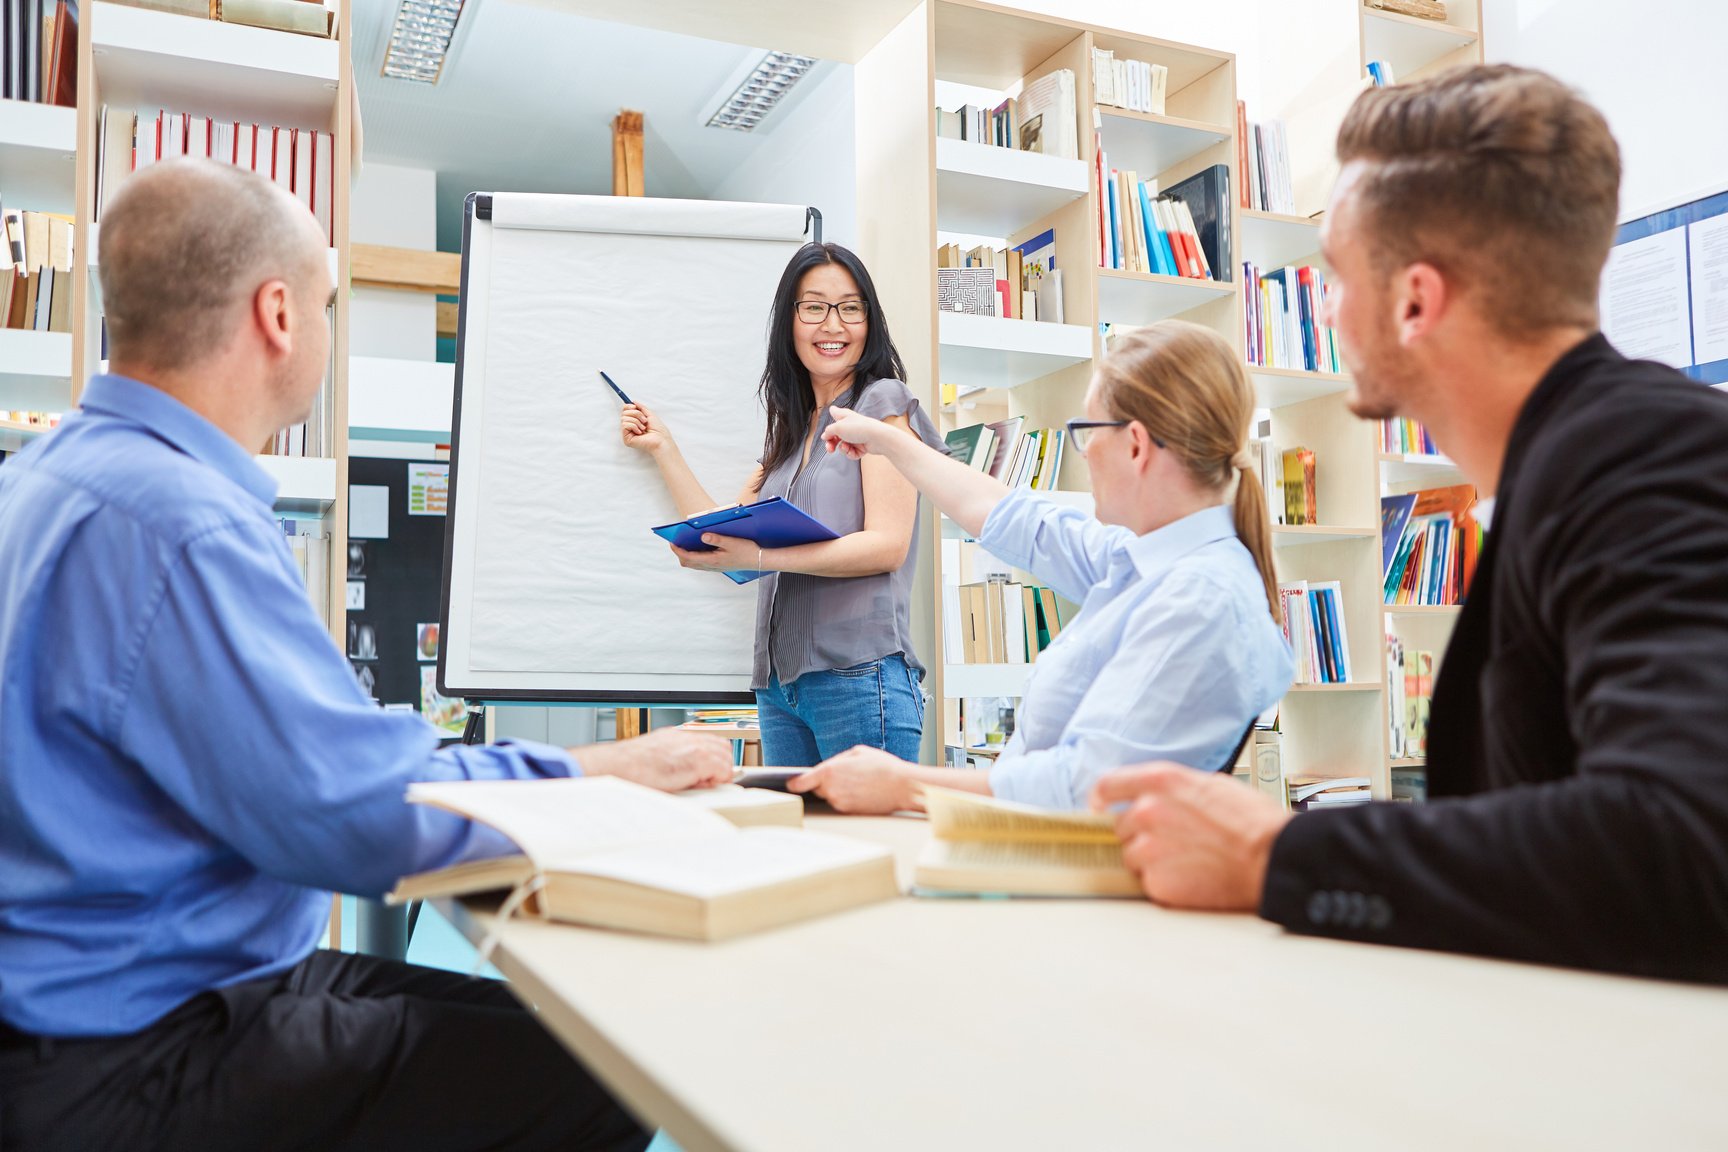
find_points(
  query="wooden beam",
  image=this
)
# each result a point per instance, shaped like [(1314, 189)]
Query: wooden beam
[(447, 318), (627, 153), (407, 269)]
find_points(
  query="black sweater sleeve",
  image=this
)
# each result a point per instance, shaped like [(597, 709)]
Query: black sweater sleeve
[(1616, 856)]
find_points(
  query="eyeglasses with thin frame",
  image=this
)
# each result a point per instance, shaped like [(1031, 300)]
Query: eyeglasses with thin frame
[(1080, 432), (816, 311)]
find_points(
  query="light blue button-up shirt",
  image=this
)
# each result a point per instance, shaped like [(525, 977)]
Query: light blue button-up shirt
[(187, 765), (1173, 653)]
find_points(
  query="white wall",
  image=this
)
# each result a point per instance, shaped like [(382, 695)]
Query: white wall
[(397, 207), (807, 158), (1656, 71)]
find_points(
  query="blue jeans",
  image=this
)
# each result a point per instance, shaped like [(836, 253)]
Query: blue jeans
[(821, 714)]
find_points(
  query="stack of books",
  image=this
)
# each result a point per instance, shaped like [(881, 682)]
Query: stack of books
[(39, 52), (1263, 154), (1314, 626), (1182, 232), (1131, 84), (1287, 480), (301, 160), (1311, 792), (727, 717), (1401, 436), (1409, 697), (1380, 72), (1281, 313), (1429, 543), (36, 286)]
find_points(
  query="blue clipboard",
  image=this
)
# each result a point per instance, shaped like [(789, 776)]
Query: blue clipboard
[(771, 523)]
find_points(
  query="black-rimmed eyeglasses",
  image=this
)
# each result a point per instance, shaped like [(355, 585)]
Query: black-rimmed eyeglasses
[(1080, 432), (816, 311)]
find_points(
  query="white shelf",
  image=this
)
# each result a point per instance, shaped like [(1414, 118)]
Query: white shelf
[(303, 483), (987, 351), (13, 435), (405, 400), (37, 155), (1407, 43), (1434, 471), (1276, 387), (1138, 298), (1272, 239), (149, 59), (1349, 686), (1152, 144), (960, 681), (988, 191), (35, 370), (1421, 609), (1296, 535)]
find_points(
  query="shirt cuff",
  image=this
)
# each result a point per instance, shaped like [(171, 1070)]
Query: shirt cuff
[(1036, 779)]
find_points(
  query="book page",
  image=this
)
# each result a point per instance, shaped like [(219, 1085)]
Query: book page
[(956, 815), (557, 822), (1033, 854), (707, 868)]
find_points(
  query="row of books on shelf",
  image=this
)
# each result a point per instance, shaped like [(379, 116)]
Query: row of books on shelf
[(1010, 452), (1281, 312), (999, 622), (39, 57), (306, 17), (1132, 84), (730, 717), (42, 420), (1182, 232), (1401, 436), (36, 284), (1409, 697), (1019, 283), (1380, 72), (1314, 626), (300, 160), (1429, 541), (308, 439), (1263, 156), (1044, 118), (309, 543), (1287, 480)]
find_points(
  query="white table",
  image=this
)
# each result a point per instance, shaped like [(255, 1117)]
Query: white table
[(1095, 1026)]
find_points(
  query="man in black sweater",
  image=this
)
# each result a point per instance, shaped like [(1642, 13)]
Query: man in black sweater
[(1579, 784)]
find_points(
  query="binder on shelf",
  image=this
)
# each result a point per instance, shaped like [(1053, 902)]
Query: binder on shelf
[(771, 523)]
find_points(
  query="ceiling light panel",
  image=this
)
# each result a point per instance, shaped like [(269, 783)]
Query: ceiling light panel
[(420, 40), (765, 86)]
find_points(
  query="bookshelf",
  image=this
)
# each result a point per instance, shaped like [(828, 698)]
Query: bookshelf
[(140, 58), (37, 155), (1416, 47)]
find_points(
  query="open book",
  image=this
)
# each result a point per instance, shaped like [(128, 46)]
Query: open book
[(614, 854), (983, 845)]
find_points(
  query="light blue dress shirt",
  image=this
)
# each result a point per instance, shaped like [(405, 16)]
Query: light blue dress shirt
[(187, 765), (1173, 653)]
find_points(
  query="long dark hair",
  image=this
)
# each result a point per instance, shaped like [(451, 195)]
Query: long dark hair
[(785, 391)]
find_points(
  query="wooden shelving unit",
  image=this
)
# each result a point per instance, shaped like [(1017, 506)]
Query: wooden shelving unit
[(140, 58)]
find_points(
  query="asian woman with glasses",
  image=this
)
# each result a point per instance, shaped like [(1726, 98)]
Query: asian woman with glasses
[(834, 666), (1177, 646)]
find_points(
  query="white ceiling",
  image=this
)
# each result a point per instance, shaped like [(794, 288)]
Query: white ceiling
[(527, 100)]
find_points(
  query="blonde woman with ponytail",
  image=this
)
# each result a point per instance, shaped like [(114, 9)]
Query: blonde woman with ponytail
[(1177, 647)]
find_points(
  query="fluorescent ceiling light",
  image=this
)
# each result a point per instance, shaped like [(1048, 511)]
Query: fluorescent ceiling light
[(420, 41), (743, 103)]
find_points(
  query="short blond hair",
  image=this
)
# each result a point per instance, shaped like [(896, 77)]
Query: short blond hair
[(185, 244), (1501, 177)]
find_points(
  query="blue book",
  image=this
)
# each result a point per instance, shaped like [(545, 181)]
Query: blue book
[(1394, 514), (771, 523), (1115, 227), (1154, 238)]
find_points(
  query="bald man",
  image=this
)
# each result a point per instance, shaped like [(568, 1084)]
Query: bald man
[(187, 767)]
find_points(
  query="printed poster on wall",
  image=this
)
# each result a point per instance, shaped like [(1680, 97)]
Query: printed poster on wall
[(428, 488)]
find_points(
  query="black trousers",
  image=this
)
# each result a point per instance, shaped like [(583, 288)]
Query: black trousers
[(341, 1052)]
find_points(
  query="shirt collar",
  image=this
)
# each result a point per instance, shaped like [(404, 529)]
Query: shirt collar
[(1162, 547), (179, 427)]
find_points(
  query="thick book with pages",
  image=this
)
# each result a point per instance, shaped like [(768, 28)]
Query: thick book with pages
[(982, 845), (612, 854)]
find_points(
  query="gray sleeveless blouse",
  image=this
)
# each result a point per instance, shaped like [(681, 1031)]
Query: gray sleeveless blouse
[(814, 623)]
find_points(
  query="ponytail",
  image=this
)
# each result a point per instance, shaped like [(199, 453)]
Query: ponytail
[(1254, 529)]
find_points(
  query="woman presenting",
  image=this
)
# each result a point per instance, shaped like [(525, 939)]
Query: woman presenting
[(834, 666), (1176, 648)]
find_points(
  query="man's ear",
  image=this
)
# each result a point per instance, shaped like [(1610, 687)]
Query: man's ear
[(272, 314), (1420, 301)]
